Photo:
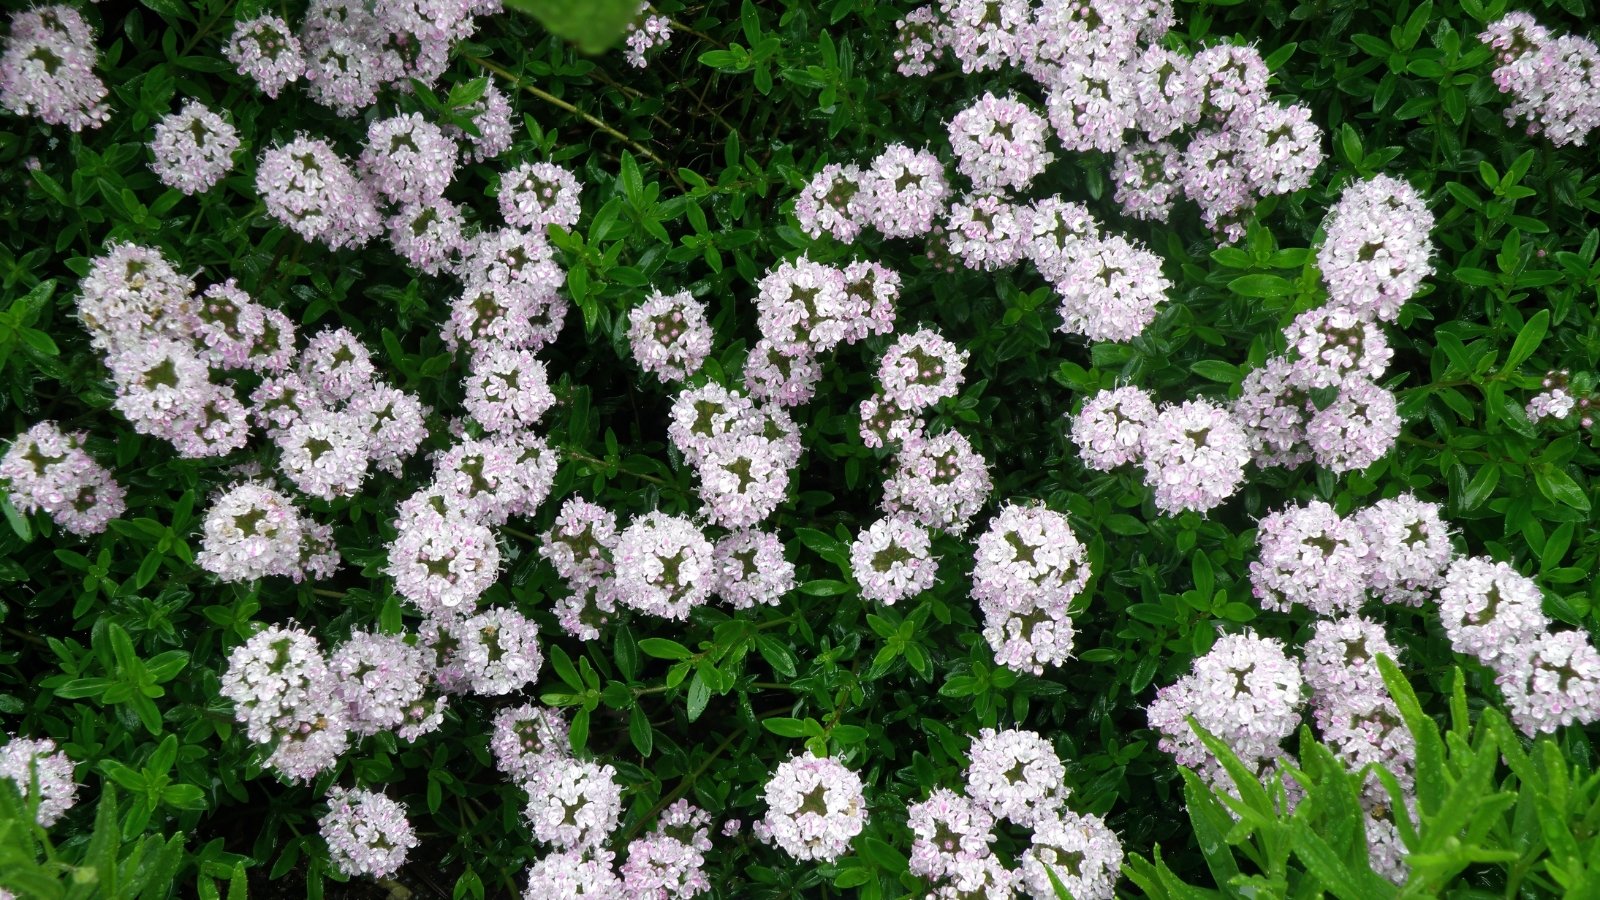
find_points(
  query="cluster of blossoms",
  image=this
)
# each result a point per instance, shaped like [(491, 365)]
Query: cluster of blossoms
[(1203, 126), (47, 69), (1562, 395), (1027, 568), (669, 335), (815, 808), (1378, 247), (1553, 80), (575, 805), (1015, 776), (367, 833), (49, 471), (252, 531), (1193, 453), (645, 33), (1397, 549), (193, 148), (24, 762), (1548, 678)]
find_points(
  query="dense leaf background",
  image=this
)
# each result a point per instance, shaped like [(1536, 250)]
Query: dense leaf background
[(690, 168)]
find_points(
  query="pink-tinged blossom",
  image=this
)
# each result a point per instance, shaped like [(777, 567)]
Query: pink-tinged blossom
[(669, 335), (1341, 664), (664, 566), (743, 478), (646, 33), (1274, 413), (308, 187), (487, 314), (24, 761), (1146, 178), (46, 470), (815, 807), (345, 73), (1091, 105), (132, 293), (947, 828), (1056, 228), (1110, 428), (586, 608), (883, 424), (491, 114), (999, 143), (442, 559), (984, 35), (1213, 176), (1377, 249), (497, 477), (984, 876), (1232, 82), (1029, 632), (581, 541), (1016, 775), (233, 331), (941, 482), (266, 50), (1488, 609), (251, 531), (1068, 32), (536, 195), (282, 400), (1552, 79), (47, 69), (752, 570), (325, 454), (985, 232), (872, 292), (1111, 289), (274, 673), (525, 741), (193, 148), (1555, 403), (427, 235), (367, 833), (892, 559), (1082, 851), (382, 680), (1245, 691), (1551, 681), (908, 191), (802, 307), (1281, 148), (574, 875), (157, 382), (1331, 344), (1194, 455), (919, 39), (336, 364), (831, 204), (1166, 97), (1310, 557), (393, 421), (408, 158), (500, 651), (669, 863), (577, 805), (703, 414), (1408, 548), (921, 368), (507, 390), (773, 376), (1028, 553), (1357, 429)]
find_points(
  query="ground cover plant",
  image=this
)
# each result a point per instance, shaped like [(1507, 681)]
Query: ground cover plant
[(987, 448)]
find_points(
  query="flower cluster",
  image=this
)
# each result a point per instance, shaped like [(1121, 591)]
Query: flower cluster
[(367, 833), (892, 560), (1028, 567), (49, 471), (535, 195), (1552, 79), (193, 148), (252, 531), (383, 681), (814, 808), (24, 762), (1377, 248), (647, 32), (940, 482), (1014, 776), (47, 69), (285, 696), (1562, 395), (1246, 691), (669, 335), (1193, 455)]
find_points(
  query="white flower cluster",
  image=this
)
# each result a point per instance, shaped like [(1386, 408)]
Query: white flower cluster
[(1014, 776), (1028, 567), (47, 69), (25, 762), (252, 531), (47, 470), (367, 833), (1193, 453), (815, 808), (1553, 79)]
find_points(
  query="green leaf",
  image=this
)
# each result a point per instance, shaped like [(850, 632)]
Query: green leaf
[(699, 695), (1559, 486), (1216, 370), (1261, 285), (824, 588), (594, 25), (784, 727), (17, 521), (664, 648), (640, 732), (1528, 340)]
